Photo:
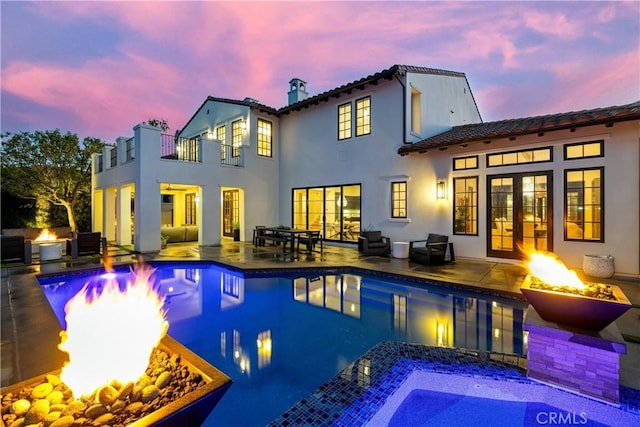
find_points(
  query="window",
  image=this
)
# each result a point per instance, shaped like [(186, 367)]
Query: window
[(584, 150), (465, 208), (264, 138), (99, 165), (538, 155), (190, 209), (584, 202), (363, 116), (130, 149), (416, 111), (399, 199), (236, 137), (114, 157), (221, 134), (344, 121), (463, 163)]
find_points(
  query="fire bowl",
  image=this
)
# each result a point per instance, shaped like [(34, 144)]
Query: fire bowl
[(576, 310), (190, 409)]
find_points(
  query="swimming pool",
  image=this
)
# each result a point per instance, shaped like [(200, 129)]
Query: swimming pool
[(281, 337)]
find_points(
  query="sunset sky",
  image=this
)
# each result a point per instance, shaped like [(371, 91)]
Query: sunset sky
[(98, 68)]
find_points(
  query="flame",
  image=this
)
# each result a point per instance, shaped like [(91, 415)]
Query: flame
[(549, 269), (111, 334), (46, 236)]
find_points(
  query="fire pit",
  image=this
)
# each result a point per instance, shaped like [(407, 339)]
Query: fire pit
[(560, 297), (199, 392), (122, 368)]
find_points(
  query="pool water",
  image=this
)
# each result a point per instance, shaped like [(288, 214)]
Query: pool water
[(437, 399), (281, 337)]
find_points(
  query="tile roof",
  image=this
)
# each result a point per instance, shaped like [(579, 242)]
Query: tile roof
[(387, 74), (525, 126)]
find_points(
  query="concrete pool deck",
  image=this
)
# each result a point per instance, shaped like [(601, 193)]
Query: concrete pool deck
[(30, 330)]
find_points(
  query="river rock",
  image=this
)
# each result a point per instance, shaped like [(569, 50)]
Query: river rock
[(37, 412), (65, 421), (41, 390), (20, 407)]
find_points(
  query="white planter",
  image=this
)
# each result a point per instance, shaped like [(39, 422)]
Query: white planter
[(598, 265)]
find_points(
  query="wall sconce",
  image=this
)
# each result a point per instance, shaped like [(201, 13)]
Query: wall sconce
[(441, 190)]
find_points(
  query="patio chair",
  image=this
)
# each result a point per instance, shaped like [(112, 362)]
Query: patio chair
[(430, 251), (14, 249), (374, 243), (310, 241), (87, 243), (258, 232)]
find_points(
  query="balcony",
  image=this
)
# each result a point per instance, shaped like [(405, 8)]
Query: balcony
[(182, 149)]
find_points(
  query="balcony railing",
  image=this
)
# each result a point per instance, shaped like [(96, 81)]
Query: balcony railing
[(231, 156), (183, 149)]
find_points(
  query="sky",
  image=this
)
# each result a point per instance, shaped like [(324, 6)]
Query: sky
[(98, 68)]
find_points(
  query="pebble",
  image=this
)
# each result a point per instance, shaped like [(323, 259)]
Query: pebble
[(149, 393), (107, 395), (94, 411), (18, 423), (163, 380), (125, 391), (51, 417), (75, 407), (65, 421), (20, 407), (54, 380), (55, 397), (41, 390), (104, 419), (37, 412)]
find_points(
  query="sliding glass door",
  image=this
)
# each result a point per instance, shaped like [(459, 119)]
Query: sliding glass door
[(334, 211)]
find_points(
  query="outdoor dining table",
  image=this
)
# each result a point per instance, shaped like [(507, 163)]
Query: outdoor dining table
[(293, 234)]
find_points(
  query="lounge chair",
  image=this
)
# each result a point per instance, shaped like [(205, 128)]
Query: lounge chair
[(430, 251), (374, 243), (89, 243), (14, 249)]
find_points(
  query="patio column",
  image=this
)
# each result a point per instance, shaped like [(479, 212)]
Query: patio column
[(109, 214), (124, 215)]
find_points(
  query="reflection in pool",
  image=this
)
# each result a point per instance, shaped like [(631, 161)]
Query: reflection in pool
[(281, 337)]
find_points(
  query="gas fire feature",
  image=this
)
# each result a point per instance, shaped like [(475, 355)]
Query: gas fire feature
[(591, 308), (191, 408), (573, 341)]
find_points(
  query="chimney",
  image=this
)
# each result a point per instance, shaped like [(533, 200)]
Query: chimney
[(297, 90)]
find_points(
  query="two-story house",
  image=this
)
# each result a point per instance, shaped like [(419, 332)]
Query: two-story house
[(403, 150)]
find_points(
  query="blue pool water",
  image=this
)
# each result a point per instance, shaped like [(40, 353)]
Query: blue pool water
[(279, 338)]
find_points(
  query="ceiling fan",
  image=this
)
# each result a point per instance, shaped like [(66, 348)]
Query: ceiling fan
[(170, 188)]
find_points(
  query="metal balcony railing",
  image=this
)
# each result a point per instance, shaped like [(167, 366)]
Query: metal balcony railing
[(231, 156), (182, 149)]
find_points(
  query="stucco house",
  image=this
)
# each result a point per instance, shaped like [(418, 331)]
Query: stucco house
[(403, 150)]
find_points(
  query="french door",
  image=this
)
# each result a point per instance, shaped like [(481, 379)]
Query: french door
[(230, 211), (519, 214)]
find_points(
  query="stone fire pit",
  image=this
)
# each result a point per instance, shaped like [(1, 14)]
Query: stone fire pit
[(593, 309), (170, 405)]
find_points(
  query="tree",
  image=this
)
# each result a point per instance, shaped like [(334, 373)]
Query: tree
[(49, 165), (159, 123)]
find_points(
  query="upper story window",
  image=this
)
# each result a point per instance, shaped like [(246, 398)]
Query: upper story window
[(99, 166), (221, 134), (463, 163), (584, 150), (363, 116), (264, 138), (465, 207), (236, 137), (114, 157), (130, 149), (399, 199), (344, 121), (519, 157), (584, 204), (416, 111)]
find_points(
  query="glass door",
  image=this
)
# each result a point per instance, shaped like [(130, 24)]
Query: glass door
[(334, 211), (519, 212), (230, 211)]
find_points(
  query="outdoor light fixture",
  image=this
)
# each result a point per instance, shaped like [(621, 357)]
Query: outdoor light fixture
[(441, 190)]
